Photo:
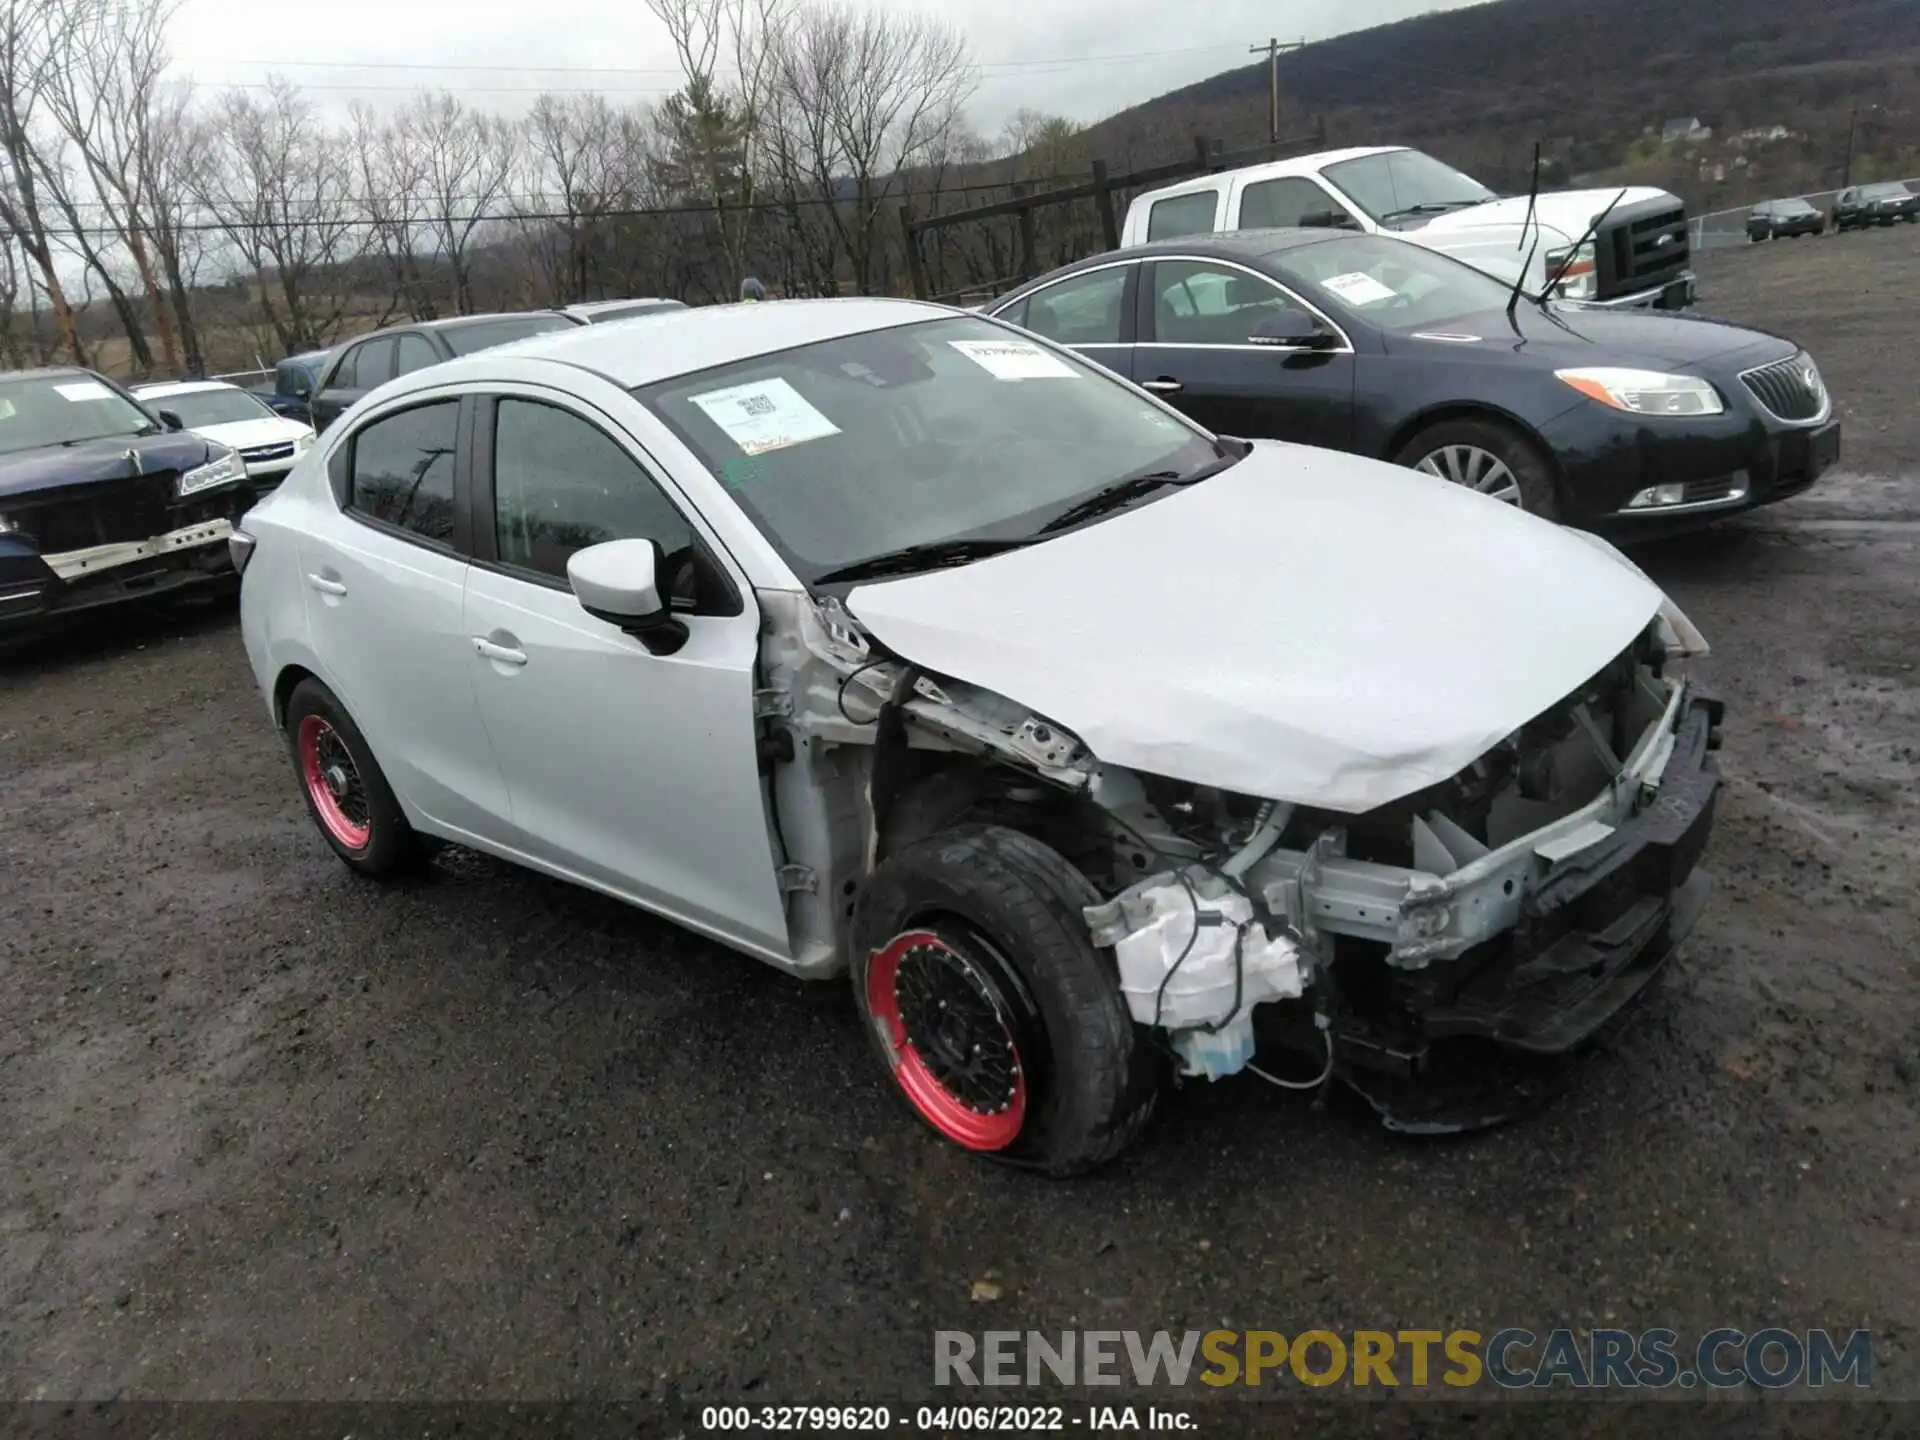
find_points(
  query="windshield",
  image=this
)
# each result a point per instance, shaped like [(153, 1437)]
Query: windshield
[(1794, 207), (211, 407), (63, 410), (466, 339), (1887, 192), (937, 431), (1405, 187), (1389, 283)]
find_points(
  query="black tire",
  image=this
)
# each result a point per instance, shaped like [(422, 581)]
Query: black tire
[(1531, 470), (371, 834), (1012, 908)]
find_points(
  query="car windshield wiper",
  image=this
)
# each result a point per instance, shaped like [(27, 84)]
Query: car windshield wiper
[(930, 555), (1122, 492), (1431, 207)]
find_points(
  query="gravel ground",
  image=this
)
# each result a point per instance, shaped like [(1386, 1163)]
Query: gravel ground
[(274, 1132)]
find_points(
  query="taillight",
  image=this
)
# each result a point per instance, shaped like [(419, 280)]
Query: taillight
[(240, 547)]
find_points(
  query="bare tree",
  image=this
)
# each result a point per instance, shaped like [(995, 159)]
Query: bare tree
[(32, 34), (466, 160), (106, 100), (713, 126), (390, 173), (281, 189), (172, 156), (873, 94)]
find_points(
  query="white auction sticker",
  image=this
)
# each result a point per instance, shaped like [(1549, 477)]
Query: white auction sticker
[(1360, 289), (84, 390), (765, 415), (1014, 360)]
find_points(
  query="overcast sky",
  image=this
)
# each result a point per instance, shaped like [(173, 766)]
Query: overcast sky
[(492, 51)]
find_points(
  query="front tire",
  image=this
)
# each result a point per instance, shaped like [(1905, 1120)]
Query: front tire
[(346, 793), (1489, 457), (1002, 1027)]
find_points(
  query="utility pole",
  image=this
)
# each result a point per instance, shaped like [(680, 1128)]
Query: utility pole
[(1273, 50), (1853, 128)]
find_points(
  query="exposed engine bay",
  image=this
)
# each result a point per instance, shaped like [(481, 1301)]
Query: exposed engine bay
[(1520, 903)]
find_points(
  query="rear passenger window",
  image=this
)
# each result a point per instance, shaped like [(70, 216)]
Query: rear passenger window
[(1085, 310), (373, 363), (415, 354), (403, 470), (1183, 215)]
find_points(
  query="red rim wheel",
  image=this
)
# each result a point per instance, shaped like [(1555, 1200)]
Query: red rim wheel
[(949, 1036), (334, 784)]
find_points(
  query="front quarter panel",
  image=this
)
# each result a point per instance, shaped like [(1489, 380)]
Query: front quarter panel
[(273, 614)]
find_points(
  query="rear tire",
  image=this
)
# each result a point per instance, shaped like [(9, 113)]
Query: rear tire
[(988, 919), (345, 791), (1459, 451)]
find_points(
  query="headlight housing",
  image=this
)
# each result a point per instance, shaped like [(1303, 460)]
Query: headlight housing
[(303, 443), (1645, 392), (223, 469), (1581, 280)]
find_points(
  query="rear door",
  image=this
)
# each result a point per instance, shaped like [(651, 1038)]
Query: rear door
[(362, 367), (1198, 323), (633, 771), (385, 580)]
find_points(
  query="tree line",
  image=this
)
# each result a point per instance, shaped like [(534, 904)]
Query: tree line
[(190, 229)]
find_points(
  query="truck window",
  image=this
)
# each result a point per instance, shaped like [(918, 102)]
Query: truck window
[(1287, 201), (1183, 215)]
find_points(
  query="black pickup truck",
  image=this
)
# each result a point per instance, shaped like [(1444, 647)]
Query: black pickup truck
[(103, 501)]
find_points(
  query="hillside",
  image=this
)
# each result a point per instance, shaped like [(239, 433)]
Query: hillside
[(1479, 86)]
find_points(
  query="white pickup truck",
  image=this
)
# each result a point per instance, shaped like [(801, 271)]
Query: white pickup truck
[(1638, 257)]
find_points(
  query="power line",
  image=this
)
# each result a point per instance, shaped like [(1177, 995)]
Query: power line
[(986, 65)]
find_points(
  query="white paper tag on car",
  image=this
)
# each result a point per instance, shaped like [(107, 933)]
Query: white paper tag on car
[(765, 415), (1014, 360), (83, 390), (1360, 289)]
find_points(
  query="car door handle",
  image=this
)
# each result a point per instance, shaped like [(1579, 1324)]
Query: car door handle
[(490, 651), (326, 586), (1162, 386)]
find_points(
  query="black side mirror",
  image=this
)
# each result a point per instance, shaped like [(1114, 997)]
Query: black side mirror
[(1329, 220), (169, 419), (1292, 330)]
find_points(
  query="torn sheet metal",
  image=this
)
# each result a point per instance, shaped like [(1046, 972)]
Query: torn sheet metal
[(1308, 626)]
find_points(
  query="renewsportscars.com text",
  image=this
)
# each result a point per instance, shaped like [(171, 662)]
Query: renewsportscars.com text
[(1772, 1359)]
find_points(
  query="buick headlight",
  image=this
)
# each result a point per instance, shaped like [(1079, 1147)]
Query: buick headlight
[(1580, 277), (224, 470), (1645, 392)]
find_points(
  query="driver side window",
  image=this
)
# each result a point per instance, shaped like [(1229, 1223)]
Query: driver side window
[(1195, 303), (561, 484)]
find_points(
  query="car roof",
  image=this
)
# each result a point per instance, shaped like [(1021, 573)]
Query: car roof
[(1271, 170), (594, 307), (181, 387), (1242, 246), (669, 343), (453, 322)]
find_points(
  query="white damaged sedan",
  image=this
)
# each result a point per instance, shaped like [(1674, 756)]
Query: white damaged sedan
[(869, 636)]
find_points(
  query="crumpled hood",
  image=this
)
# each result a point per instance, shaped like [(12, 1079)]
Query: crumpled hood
[(113, 458), (1307, 626), (1570, 212)]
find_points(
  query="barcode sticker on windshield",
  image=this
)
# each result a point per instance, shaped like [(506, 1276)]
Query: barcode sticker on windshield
[(1359, 289), (83, 390), (1014, 360), (765, 415)]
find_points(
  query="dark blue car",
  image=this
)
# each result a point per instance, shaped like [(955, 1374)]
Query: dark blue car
[(294, 381), (103, 501)]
